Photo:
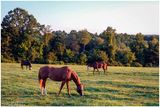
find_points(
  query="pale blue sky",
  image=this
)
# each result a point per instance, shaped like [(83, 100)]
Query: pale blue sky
[(125, 17)]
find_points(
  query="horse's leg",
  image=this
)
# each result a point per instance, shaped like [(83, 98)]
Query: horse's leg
[(26, 67), (68, 88), (98, 70), (87, 69), (44, 86), (62, 84), (93, 71), (22, 66), (104, 70)]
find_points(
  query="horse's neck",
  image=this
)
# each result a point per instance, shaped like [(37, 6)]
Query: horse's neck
[(75, 78)]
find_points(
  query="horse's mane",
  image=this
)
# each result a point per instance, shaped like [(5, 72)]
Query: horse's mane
[(75, 77)]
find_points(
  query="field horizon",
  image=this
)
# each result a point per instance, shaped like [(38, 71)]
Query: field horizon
[(120, 86)]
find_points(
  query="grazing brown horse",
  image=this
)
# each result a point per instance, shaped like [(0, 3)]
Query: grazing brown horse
[(26, 63), (97, 65), (64, 74)]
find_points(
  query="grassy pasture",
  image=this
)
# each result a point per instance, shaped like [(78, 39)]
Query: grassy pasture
[(121, 86)]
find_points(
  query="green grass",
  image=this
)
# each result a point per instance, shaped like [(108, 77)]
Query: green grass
[(121, 86)]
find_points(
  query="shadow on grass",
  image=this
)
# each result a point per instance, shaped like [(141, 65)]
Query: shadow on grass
[(125, 85), (137, 74), (94, 89), (145, 94), (108, 97), (151, 104)]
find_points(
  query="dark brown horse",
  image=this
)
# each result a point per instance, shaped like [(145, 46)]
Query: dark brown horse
[(97, 65), (26, 63), (64, 74)]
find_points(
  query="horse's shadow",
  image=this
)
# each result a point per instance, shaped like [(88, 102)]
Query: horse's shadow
[(90, 73), (63, 95)]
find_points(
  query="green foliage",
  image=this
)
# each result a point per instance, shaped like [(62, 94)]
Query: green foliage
[(51, 57), (69, 56), (152, 53), (84, 38), (24, 38), (97, 55), (124, 55), (72, 41), (138, 46), (82, 58), (19, 29), (110, 43)]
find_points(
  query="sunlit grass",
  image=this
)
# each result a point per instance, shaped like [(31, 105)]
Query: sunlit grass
[(120, 86)]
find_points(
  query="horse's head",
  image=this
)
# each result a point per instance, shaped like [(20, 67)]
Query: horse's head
[(80, 89)]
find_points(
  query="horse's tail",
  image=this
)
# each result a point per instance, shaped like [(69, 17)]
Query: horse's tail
[(40, 80)]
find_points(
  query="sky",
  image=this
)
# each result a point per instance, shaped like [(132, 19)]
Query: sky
[(126, 17)]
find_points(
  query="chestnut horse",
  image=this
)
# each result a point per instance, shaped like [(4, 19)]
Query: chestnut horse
[(97, 65), (64, 74), (26, 63)]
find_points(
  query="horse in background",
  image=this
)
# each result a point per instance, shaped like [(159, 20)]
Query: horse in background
[(96, 65), (26, 63), (64, 74)]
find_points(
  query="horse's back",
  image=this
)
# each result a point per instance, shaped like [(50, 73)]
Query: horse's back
[(59, 74), (56, 74), (98, 65), (23, 62)]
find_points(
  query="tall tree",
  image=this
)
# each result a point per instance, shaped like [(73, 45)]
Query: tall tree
[(84, 38), (72, 41), (152, 53), (138, 46), (110, 43), (20, 29), (47, 36), (58, 43)]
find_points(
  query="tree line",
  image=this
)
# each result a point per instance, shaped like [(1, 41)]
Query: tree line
[(22, 37)]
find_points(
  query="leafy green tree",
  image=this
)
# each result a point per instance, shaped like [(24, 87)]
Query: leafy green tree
[(152, 53), (51, 58), (84, 38), (17, 27), (138, 46), (124, 55), (58, 43), (110, 43), (69, 56), (47, 37), (125, 38), (99, 41), (97, 55), (72, 41), (82, 58)]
